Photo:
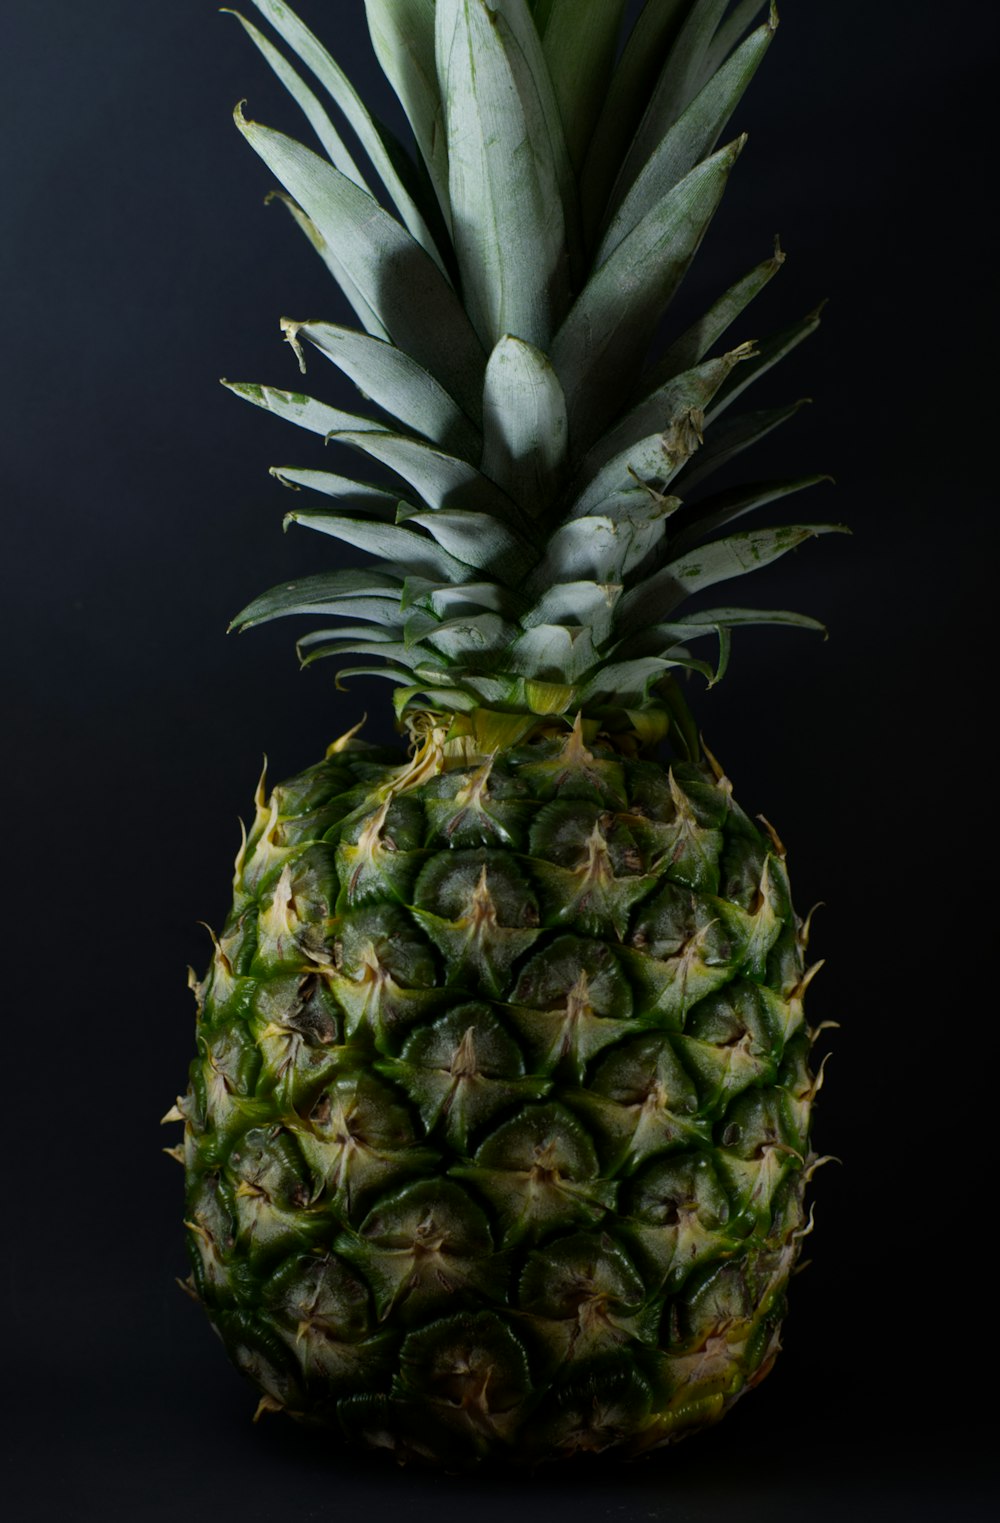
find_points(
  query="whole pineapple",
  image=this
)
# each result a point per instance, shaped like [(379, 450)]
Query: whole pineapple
[(498, 1131)]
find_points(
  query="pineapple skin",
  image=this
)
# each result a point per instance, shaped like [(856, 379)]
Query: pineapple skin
[(498, 1132)]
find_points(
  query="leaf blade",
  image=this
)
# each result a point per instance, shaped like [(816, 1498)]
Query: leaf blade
[(388, 542), (506, 211), (394, 381), (402, 34), (719, 561), (604, 338), (692, 136), (400, 282), (525, 425), (579, 38), (386, 155)]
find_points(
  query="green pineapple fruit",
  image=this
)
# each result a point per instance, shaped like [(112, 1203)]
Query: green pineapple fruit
[(498, 1132)]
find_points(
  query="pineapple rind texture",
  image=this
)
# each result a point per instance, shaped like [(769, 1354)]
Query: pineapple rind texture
[(498, 1131)]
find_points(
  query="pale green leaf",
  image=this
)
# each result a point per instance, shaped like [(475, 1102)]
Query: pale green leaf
[(679, 82), (627, 679), (450, 602), (306, 412), (448, 700), (688, 141), (307, 101), (319, 594), (478, 540), (402, 33), (395, 382), (324, 643), (589, 603), (387, 156), (366, 316), (675, 399), (713, 513), (387, 541), (720, 561), (600, 347), (736, 618), (525, 426), (440, 480), (401, 283), (391, 673), (627, 96), (507, 221), (574, 603), (596, 549), (652, 461), (733, 28), (472, 636), (768, 354), (357, 496), (523, 46), (730, 439), (580, 38), (552, 653), (696, 341)]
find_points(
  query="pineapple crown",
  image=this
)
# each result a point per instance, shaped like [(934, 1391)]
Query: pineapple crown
[(547, 519)]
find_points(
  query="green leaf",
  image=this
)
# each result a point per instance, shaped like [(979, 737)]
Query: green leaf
[(667, 639), (590, 603), (368, 319), (391, 673), (307, 101), (681, 395), (387, 156), (506, 211), (471, 635), (324, 643), (652, 461), (679, 82), (306, 412), (717, 562), (688, 141), (733, 28), (445, 600), (552, 653), (627, 679), (732, 438), (714, 513), (400, 282), (523, 45), (320, 594), (580, 38), (628, 94), (396, 383), (387, 541), (440, 480), (596, 549), (738, 617), (357, 496), (478, 540), (768, 353), (525, 425), (600, 347), (448, 700), (402, 33), (694, 344)]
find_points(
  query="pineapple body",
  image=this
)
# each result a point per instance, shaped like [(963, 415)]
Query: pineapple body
[(497, 1134)]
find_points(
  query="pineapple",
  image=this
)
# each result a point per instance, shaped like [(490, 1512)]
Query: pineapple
[(497, 1135)]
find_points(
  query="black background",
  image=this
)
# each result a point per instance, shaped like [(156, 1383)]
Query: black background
[(140, 264)]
